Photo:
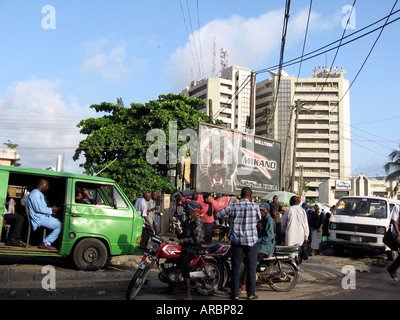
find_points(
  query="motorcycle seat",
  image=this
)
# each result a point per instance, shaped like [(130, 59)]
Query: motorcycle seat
[(210, 249), (287, 249)]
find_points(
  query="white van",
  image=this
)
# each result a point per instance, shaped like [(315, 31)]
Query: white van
[(359, 223)]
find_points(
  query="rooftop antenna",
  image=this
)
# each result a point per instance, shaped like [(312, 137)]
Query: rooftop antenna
[(224, 59), (213, 68)]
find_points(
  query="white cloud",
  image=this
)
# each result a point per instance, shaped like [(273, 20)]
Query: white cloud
[(110, 60), (250, 42), (36, 117)]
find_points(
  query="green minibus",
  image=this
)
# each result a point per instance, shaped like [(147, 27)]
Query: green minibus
[(92, 231)]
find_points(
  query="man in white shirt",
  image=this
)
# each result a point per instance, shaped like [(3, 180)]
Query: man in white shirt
[(294, 222), (141, 207), (153, 212), (395, 218)]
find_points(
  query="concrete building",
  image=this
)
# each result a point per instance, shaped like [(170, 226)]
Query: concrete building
[(331, 191), (8, 157), (323, 126), (230, 95)]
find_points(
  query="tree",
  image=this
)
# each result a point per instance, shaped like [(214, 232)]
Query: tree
[(393, 166), (121, 134)]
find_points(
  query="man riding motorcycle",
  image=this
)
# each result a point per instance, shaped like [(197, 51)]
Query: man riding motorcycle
[(191, 237)]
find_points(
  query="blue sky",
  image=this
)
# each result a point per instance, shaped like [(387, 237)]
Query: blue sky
[(101, 50)]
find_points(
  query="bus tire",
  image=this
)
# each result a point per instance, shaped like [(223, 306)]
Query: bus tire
[(90, 255)]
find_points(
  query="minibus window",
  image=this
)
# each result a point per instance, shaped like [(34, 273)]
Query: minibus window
[(362, 207), (107, 191), (118, 200)]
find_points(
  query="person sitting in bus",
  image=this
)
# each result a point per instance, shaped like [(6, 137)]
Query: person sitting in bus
[(83, 196), (16, 223), (41, 214)]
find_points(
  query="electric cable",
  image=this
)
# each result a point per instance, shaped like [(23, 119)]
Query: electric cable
[(187, 33), (306, 56)]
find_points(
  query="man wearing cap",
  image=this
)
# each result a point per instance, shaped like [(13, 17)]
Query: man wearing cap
[(266, 233)]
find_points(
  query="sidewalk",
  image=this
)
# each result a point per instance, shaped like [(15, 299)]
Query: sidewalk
[(121, 269)]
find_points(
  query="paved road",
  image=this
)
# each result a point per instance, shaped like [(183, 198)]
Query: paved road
[(375, 285), (322, 277)]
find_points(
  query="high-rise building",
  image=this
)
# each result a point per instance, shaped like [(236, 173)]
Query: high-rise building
[(323, 119), (229, 94), (319, 107)]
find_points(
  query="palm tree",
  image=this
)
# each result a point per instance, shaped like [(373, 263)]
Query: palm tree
[(393, 166)]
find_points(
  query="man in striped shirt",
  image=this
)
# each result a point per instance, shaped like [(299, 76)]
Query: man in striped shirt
[(243, 217)]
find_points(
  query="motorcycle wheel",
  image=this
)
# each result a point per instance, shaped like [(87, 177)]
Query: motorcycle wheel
[(208, 287), (136, 283), (283, 276), (226, 271)]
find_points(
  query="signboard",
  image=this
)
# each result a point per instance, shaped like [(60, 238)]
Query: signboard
[(343, 185), (229, 160)]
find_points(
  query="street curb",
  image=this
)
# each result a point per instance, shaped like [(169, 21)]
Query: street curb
[(19, 278)]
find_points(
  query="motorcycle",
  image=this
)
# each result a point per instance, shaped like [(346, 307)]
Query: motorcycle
[(206, 273), (221, 253), (280, 271)]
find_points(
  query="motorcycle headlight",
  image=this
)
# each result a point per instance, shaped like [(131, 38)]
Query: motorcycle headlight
[(152, 246)]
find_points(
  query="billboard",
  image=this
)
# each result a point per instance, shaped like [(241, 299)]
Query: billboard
[(229, 160)]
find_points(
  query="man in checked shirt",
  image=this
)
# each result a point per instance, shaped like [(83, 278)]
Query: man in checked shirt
[(243, 217)]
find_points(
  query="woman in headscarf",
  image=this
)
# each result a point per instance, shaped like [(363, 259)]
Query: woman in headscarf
[(316, 220)]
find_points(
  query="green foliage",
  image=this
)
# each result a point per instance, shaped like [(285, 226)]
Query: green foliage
[(121, 133), (393, 166)]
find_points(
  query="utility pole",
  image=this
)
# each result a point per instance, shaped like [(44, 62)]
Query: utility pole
[(210, 111), (252, 102), (288, 137), (297, 107), (301, 181)]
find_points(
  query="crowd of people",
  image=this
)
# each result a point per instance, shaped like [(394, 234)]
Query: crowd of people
[(253, 231), (316, 219)]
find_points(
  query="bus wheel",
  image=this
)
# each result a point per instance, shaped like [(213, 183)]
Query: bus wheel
[(90, 255)]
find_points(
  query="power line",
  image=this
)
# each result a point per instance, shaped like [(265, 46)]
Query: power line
[(194, 42), (391, 118), (283, 41), (337, 51), (304, 42), (47, 112), (370, 51), (198, 27), (187, 33), (359, 71), (308, 57), (234, 96)]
